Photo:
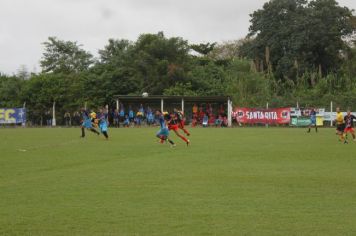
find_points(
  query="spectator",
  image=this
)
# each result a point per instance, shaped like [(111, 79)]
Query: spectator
[(195, 110), (122, 113), (221, 110), (76, 118), (148, 110), (150, 118), (48, 118), (142, 112), (205, 120), (218, 121), (201, 114), (194, 121), (224, 122), (131, 114), (67, 119), (116, 119), (139, 117), (126, 121), (209, 109)]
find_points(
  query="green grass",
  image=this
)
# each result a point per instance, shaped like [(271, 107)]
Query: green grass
[(243, 181)]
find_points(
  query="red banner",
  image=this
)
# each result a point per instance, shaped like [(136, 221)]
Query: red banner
[(262, 116)]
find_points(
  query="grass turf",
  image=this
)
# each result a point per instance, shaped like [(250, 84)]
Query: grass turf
[(246, 181)]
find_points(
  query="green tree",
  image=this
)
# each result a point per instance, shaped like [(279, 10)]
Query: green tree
[(64, 57), (10, 91), (203, 48), (293, 36), (114, 73), (115, 51), (160, 62)]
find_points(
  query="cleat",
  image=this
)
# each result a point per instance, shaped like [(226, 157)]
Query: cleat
[(345, 142), (173, 145)]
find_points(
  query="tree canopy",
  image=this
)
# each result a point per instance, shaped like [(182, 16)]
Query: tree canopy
[(295, 36), (64, 57)]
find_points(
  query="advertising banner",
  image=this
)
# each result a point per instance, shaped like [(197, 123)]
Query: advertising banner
[(12, 115), (301, 116), (262, 116), (304, 121)]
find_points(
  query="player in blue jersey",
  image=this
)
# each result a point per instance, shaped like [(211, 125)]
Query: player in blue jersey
[(103, 123), (163, 133), (313, 120), (87, 123)]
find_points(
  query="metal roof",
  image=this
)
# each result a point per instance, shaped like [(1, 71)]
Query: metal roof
[(173, 98)]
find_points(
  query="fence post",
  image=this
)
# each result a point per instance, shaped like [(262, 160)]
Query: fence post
[(267, 105), (182, 105), (331, 114), (24, 109), (54, 114), (229, 112)]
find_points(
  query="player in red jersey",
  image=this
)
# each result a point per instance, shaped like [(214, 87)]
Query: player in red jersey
[(173, 125), (181, 120), (349, 123)]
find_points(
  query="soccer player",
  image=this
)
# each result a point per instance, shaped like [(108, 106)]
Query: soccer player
[(313, 120), (94, 121), (340, 125), (349, 124), (87, 123), (103, 124), (163, 133), (180, 118), (173, 125)]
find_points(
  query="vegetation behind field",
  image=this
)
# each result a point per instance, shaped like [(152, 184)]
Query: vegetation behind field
[(296, 51)]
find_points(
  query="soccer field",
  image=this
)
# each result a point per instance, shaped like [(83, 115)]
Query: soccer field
[(239, 181)]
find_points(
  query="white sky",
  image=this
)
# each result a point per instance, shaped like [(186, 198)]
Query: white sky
[(25, 24)]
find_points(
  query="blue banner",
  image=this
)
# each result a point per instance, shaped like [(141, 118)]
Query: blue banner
[(12, 115)]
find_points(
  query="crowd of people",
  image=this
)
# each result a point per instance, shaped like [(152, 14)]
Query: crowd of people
[(131, 117), (206, 117)]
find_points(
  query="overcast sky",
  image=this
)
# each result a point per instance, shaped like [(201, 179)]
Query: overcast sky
[(25, 24)]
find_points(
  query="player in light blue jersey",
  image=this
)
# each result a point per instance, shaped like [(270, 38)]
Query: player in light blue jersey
[(103, 123), (87, 123), (163, 133), (313, 120)]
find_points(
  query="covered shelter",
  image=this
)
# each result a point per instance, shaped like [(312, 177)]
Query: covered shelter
[(184, 103)]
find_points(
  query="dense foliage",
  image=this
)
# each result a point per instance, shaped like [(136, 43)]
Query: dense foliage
[(297, 51)]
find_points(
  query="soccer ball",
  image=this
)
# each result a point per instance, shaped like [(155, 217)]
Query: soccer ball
[(145, 95)]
